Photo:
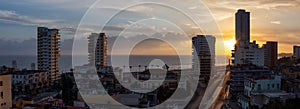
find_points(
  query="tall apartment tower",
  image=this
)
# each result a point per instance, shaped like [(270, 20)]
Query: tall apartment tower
[(48, 46), (204, 55), (97, 48), (242, 27), (296, 52), (245, 52), (270, 54)]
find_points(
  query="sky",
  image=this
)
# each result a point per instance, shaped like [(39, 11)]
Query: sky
[(271, 20)]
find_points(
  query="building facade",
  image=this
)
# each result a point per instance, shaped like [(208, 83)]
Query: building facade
[(248, 55), (238, 75), (245, 52), (296, 52), (260, 91), (97, 49), (270, 54), (242, 28), (29, 81), (48, 52), (204, 55), (5, 91)]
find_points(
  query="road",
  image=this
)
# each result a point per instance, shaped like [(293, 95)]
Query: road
[(223, 94)]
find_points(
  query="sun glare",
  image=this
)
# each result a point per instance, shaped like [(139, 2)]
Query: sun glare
[(229, 44)]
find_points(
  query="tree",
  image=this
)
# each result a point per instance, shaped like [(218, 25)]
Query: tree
[(139, 68), (130, 67), (145, 67)]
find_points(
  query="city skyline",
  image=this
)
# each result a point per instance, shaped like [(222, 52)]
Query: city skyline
[(206, 54), (267, 22)]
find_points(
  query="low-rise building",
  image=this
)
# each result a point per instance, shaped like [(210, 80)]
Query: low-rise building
[(291, 85), (291, 71), (29, 81), (260, 91), (238, 75)]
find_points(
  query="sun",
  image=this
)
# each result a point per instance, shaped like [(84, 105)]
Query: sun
[(229, 44)]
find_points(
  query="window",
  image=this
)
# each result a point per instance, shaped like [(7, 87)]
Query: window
[(259, 87), (1, 83), (1, 95)]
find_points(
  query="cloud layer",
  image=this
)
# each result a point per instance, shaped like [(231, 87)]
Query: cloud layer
[(12, 16), (275, 20)]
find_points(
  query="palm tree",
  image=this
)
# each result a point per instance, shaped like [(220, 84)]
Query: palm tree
[(139, 68), (166, 67), (130, 67), (145, 67)]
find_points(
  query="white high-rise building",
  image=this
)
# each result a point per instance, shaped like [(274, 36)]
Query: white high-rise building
[(48, 51), (204, 55), (249, 55), (246, 52)]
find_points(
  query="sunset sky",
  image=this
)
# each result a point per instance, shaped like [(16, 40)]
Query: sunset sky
[(271, 20)]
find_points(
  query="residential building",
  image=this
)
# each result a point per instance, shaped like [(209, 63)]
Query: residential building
[(204, 55), (5, 91), (238, 75), (248, 55), (270, 54), (29, 81), (242, 28), (296, 52), (290, 71), (48, 52), (291, 85), (170, 79), (97, 49), (260, 91), (245, 52)]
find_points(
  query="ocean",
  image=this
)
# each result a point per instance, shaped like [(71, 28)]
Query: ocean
[(65, 61)]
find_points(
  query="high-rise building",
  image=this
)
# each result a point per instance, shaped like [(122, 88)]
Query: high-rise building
[(242, 27), (32, 66), (97, 49), (204, 55), (246, 52), (270, 54), (48, 51), (296, 52), (14, 64)]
